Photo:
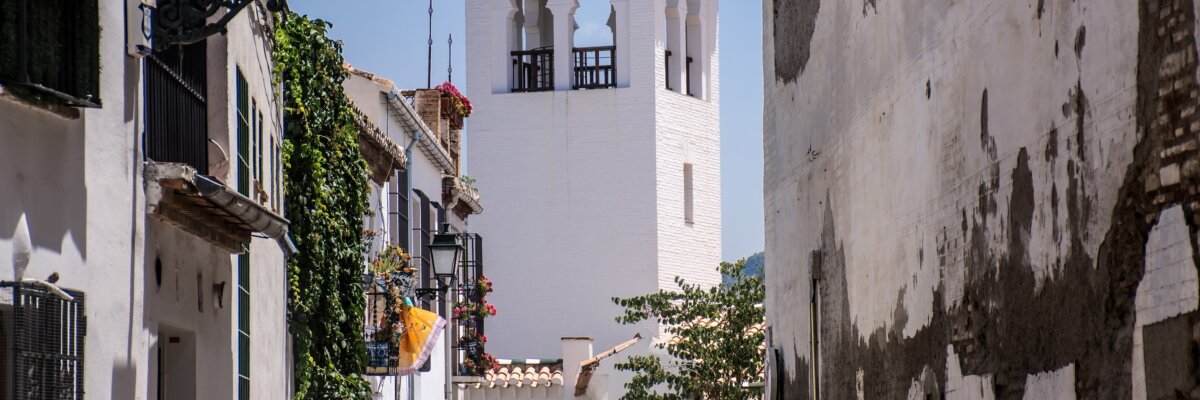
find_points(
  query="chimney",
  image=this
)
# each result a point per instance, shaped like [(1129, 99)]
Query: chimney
[(429, 106), (575, 350)]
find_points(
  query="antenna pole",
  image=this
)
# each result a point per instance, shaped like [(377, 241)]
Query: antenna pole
[(429, 58), (450, 65)]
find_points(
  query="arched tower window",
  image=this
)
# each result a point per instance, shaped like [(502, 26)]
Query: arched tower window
[(567, 44)]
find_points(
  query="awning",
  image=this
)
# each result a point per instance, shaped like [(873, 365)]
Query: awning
[(204, 207)]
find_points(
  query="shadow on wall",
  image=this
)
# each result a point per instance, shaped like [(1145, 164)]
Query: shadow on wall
[(124, 380), (42, 178)]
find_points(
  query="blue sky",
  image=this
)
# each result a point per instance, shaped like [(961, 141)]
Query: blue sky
[(389, 37)]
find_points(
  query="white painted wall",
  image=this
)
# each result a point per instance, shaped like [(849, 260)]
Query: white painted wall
[(77, 185), (882, 129), (585, 188), (369, 97)]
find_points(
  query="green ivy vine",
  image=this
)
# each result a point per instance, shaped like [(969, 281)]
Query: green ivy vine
[(326, 192)]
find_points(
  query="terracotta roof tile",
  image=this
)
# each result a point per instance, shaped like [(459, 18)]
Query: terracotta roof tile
[(519, 375)]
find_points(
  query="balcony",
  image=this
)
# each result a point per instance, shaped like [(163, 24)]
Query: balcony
[(595, 67), (533, 70), (591, 68)]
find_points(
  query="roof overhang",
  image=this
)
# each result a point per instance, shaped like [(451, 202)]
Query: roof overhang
[(428, 144), (382, 154), (460, 198), (202, 206)]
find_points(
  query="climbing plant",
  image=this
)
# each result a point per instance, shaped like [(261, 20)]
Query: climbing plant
[(326, 200), (715, 343)]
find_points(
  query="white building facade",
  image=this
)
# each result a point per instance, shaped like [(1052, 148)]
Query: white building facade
[(154, 200), (411, 199), (601, 164)]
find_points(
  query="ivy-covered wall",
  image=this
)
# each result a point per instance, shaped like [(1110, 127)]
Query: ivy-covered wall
[(326, 184)]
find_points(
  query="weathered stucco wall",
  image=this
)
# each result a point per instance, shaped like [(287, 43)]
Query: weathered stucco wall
[(976, 184)]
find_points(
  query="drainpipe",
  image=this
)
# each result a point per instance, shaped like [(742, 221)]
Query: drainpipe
[(408, 187), (814, 317)]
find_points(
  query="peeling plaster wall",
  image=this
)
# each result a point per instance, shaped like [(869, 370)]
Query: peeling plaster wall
[(998, 195)]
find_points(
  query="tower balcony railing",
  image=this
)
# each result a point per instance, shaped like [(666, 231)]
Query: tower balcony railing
[(592, 68), (595, 67), (533, 70)]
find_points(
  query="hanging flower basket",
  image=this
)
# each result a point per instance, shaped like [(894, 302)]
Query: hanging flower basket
[(454, 102)]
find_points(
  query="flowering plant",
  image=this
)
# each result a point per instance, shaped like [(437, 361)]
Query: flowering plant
[(483, 284), (467, 309), (462, 105), (477, 361), (391, 259)]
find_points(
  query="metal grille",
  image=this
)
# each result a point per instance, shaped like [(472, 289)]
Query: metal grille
[(46, 343), (533, 70), (176, 108), (595, 67), (470, 269), (52, 48)]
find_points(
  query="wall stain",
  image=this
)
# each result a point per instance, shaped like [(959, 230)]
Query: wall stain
[(1080, 103), (1080, 40), (1005, 325), (869, 4), (1041, 8), (794, 24)]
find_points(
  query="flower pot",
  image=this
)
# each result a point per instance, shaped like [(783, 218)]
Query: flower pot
[(473, 349)]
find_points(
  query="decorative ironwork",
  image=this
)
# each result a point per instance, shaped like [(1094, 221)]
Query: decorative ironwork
[(186, 21), (469, 296), (595, 67), (382, 328), (533, 70), (46, 342)]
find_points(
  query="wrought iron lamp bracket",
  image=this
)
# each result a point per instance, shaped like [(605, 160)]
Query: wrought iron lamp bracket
[(185, 21), (432, 294)]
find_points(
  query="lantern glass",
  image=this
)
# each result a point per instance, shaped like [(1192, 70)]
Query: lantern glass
[(446, 250)]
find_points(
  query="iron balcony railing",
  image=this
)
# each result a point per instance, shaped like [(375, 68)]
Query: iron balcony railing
[(176, 107), (470, 270), (667, 57), (595, 67), (45, 343), (533, 70)]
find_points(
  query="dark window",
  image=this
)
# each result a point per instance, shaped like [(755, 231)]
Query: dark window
[(46, 342), (176, 108), (245, 120), (398, 210), (243, 349), (52, 48), (258, 155), (424, 238)]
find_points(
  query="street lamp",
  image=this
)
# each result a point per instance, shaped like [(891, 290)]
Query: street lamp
[(445, 250)]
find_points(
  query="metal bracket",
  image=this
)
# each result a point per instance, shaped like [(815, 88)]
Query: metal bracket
[(185, 21)]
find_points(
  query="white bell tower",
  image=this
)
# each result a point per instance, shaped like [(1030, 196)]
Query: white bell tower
[(601, 165)]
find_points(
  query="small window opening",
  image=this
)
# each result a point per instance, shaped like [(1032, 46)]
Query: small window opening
[(688, 195)]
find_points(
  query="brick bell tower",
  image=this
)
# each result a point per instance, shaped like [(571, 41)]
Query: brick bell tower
[(601, 164)]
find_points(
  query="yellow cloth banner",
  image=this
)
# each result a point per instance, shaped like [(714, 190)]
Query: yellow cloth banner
[(421, 331)]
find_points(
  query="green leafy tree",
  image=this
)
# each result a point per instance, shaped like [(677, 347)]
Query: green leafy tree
[(714, 339), (326, 189)]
